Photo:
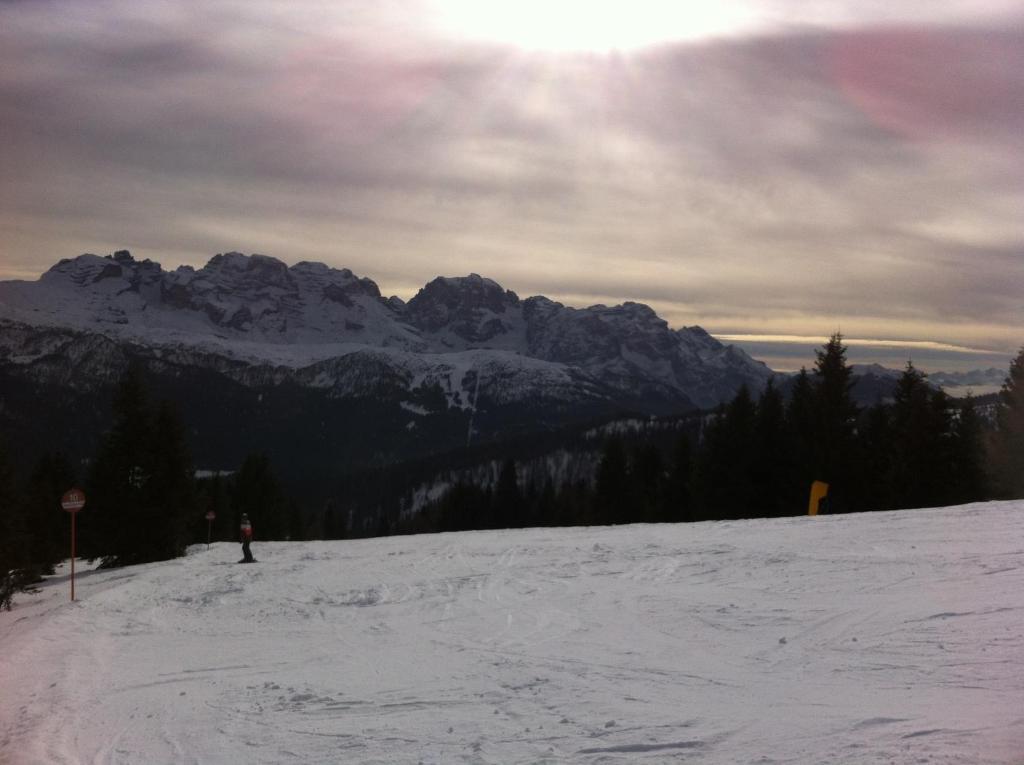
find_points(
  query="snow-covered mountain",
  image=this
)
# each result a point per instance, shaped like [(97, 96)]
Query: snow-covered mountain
[(313, 365), (305, 319)]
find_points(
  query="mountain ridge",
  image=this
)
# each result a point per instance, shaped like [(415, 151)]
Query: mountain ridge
[(255, 308)]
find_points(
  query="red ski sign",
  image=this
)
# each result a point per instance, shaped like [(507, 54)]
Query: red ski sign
[(73, 500)]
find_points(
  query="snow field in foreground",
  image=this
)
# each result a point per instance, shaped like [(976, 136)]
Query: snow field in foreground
[(886, 637)]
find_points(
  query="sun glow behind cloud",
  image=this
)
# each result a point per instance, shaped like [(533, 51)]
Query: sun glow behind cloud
[(582, 26), (570, 26)]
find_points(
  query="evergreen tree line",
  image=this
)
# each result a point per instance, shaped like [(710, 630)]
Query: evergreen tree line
[(759, 457), (1006, 444), (143, 502), (34, 531)]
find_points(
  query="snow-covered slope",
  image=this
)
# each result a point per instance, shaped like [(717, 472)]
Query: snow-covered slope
[(626, 346), (258, 310), (887, 637)]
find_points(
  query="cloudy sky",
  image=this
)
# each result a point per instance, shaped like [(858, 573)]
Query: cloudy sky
[(772, 170)]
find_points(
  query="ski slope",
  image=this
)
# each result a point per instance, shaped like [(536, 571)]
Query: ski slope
[(874, 638)]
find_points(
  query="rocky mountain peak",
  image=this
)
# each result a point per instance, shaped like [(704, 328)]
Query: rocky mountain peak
[(85, 269), (233, 270), (339, 285), (118, 272), (471, 307)]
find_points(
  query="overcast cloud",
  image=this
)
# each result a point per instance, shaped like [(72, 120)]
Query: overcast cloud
[(862, 170)]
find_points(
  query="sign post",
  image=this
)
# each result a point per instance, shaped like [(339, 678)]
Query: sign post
[(210, 515), (73, 500)]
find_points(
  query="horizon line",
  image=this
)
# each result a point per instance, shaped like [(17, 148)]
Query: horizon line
[(860, 342)]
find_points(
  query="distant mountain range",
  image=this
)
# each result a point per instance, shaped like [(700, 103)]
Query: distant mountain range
[(874, 381), (314, 360)]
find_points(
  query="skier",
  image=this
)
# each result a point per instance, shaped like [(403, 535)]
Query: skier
[(246, 532)]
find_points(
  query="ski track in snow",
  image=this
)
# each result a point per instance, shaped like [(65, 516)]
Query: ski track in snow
[(874, 638)]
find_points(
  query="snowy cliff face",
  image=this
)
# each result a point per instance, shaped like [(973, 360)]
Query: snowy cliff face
[(330, 329), (627, 347), (256, 303), (467, 312), (265, 300)]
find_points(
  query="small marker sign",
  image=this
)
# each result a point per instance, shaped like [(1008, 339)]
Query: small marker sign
[(73, 500), (210, 515)]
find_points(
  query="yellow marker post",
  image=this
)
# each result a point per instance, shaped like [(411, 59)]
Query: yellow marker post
[(819, 490)]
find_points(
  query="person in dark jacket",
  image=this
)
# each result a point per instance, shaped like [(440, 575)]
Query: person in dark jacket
[(246, 532)]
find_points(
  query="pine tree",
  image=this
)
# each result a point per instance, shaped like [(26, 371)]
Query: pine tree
[(740, 492), (940, 461), (612, 490), (508, 499), (169, 499), (910, 412), (547, 509), (460, 508), (579, 504), (678, 493), (725, 467), (297, 530), (648, 478), (970, 481), (712, 471), (50, 526), (876, 450), (15, 540), (115, 528), (528, 515), (333, 528), (257, 493), (921, 459), (835, 418), (1007, 446), (800, 419), (773, 471), (141, 495)]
